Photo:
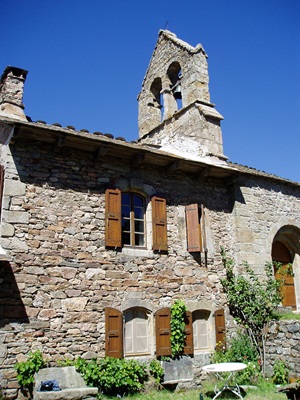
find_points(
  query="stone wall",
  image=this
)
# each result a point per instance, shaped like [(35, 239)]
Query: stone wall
[(59, 271), (59, 277), (284, 343)]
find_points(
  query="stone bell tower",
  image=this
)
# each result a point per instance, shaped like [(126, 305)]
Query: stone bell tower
[(175, 112)]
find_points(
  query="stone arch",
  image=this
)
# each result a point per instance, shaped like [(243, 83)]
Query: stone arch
[(157, 101), (284, 238)]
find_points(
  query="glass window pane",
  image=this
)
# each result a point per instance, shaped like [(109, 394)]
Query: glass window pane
[(126, 225), (139, 226), (126, 238), (125, 211), (139, 213), (139, 240), (138, 201), (126, 199)]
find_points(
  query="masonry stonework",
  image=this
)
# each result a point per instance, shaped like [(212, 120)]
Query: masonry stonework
[(59, 275)]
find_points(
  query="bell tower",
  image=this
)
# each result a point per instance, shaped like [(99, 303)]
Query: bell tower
[(175, 112)]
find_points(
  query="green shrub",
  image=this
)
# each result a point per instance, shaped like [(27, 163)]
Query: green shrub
[(241, 349), (156, 370), (281, 373), (178, 321), (113, 376), (27, 369)]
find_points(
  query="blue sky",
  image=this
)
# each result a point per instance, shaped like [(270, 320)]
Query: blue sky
[(87, 59)]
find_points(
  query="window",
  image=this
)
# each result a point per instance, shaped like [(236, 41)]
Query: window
[(202, 334), (136, 332), (198, 329), (133, 220), (125, 220), (126, 334)]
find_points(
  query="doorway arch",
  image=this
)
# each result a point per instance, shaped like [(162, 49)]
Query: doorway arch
[(286, 251)]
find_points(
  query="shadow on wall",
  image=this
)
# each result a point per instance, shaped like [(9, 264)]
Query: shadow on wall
[(12, 308)]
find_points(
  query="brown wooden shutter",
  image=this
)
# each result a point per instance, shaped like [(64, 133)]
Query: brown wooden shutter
[(113, 232), (159, 224), (193, 228), (220, 329), (113, 333), (163, 332), (189, 344)]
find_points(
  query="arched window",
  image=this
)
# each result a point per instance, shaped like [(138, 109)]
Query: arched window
[(136, 332), (133, 220)]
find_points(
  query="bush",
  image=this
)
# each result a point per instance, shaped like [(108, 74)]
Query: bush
[(281, 373), (113, 376), (27, 369), (156, 370), (241, 349)]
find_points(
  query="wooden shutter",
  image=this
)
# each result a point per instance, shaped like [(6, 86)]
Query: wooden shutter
[(189, 345), (163, 332), (193, 228), (113, 232), (159, 224), (113, 333), (220, 329)]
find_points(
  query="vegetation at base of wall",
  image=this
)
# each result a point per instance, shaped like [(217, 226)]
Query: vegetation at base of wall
[(241, 349), (156, 370), (252, 302), (178, 335), (27, 369), (113, 376), (281, 373)]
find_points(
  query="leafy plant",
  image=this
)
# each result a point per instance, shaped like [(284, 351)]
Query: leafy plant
[(156, 370), (252, 302), (240, 349), (113, 376), (27, 369), (281, 372), (178, 336)]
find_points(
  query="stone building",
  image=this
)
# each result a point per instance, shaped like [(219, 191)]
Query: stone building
[(99, 236)]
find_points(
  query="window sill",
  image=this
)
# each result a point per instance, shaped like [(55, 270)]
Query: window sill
[(136, 252)]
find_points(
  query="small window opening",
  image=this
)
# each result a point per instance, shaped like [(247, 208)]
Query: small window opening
[(158, 101), (175, 75)]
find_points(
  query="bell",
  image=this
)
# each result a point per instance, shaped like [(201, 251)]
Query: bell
[(177, 90)]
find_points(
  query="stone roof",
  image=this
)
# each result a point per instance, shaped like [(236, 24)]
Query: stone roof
[(138, 153)]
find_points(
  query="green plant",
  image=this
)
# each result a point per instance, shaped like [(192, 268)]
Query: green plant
[(240, 349), (177, 338), (156, 370), (27, 369), (281, 372), (253, 302), (113, 376)]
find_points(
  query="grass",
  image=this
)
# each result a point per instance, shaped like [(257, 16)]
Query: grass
[(265, 391), (288, 315)]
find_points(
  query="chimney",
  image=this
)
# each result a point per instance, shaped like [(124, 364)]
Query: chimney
[(11, 93)]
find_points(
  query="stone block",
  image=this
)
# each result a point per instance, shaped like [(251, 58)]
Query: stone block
[(178, 370), (14, 188), (73, 386), (16, 217)]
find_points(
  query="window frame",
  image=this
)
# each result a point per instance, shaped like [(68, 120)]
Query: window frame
[(133, 219), (135, 353)]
